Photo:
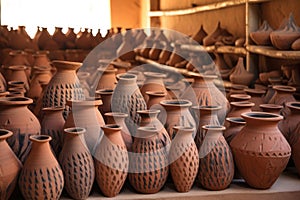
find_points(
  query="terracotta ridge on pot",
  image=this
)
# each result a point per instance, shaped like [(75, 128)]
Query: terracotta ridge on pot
[(40, 138), (87, 102), (75, 130), (66, 65), (176, 103), (11, 101), (242, 103)]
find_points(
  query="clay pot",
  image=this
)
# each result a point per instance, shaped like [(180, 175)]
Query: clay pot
[(63, 85), (258, 146), (256, 98), (154, 82), (71, 35), (240, 75), (184, 159), (106, 96), (18, 74), (218, 35), (4, 94), (294, 142), (175, 56), (146, 175), (84, 40), (165, 54), (291, 121), (41, 60), (125, 50), (284, 37), (77, 164), (204, 115), (140, 36), (52, 124), (236, 89), (177, 114), (119, 119), (59, 37), (237, 108), (43, 39), (216, 161), (200, 35), (155, 97), (83, 77), (264, 77), (22, 123), (271, 108), (10, 166), (235, 124), (296, 45), (3, 84), (107, 79), (203, 92), (262, 35), (85, 114), (128, 99), (41, 176), (239, 97), (111, 161), (156, 50)]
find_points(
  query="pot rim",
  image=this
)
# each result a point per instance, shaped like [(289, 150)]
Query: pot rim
[(254, 91), (156, 93), (4, 134), (155, 74), (11, 101), (105, 91), (213, 127), (284, 88), (271, 105), (149, 112), (87, 102), (116, 114), (236, 120), (211, 107), (184, 128), (264, 116), (293, 105), (242, 103), (67, 65), (40, 138), (53, 108), (75, 130), (176, 103)]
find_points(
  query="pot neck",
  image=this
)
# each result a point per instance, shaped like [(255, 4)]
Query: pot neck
[(254, 119)]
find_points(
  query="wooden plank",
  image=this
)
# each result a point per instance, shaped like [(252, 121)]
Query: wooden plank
[(274, 53), (231, 49)]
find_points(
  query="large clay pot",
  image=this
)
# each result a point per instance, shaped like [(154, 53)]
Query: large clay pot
[(218, 35), (235, 124), (106, 96), (184, 159), (53, 124), (84, 41), (85, 114), (111, 161), (147, 175), (165, 54), (240, 75), (216, 166), (59, 37), (128, 99), (77, 164), (44, 38), (41, 176), (18, 74), (63, 85), (10, 166), (119, 119), (16, 117), (177, 114), (256, 97), (237, 108), (107, 79), (199, 35), (262, 35), (260, 150)]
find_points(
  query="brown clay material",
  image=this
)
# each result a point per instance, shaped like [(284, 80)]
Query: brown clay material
[(107, 79), (155, 97), (234, 127), (256, 148), (240, 75), (237, 108), (262, 35), (256, 97), (175, 56), (200, 35), (77, 164), (239, 97), (41, 176), (295, 145), (105, 95), (10, 166), (271, 108)]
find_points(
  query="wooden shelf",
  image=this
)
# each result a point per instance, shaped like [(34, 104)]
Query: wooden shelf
[(274, 53), (217, 49)]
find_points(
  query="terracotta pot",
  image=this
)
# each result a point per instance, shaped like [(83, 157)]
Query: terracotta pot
[(77, 164), (84, 41), (175, 56), (43, 38), (271, 108), (128, 99), (22, 123), (203, 92), (235, 124), (156, 50), (140, 37), (41, 176), (184, 159), (52, 124), (41, 59), (59, 37), (155, 97), (256, 97), (237, 108), (107, 79), (83, 77), (218, 35), (264, 77), (165, 54), (177, 114), (291, 120), (240, 75), (125, 50), (119, 119), (204, 115), (294, 142), (18, 74), (154, 82), (106, 96), (4, 94), (3, 84), (111, 161), (70, 35), (216, 160), (284, 37), (239, 97), (146, 175), (63, 85), (146, 47), (200, 35), (296, 45), (85, 114), (262, 35), (260, 148), (10, 166), (236, 89)]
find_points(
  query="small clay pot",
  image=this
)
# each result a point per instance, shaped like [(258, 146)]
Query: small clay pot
[(240, 75), (256, 97), (262, 35), (200, 35), (271, 108)]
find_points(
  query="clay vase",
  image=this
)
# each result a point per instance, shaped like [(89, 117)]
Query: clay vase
[(77, 164), (240, 75), (216, 165), (128, 99), (107, 79), (18, 74), (294, 142), (59, 37), (155, 97), (156, 50), (256, 97), (260, 151), (284, 37), (165, 53), (16, 117), (218, 35), (262, 35), (239, 97), (41, 176), (125, 50), (175, 56), (237, 108), (271, 108), (177, 114), (106, 96), (84, 41), (296, 45), (235, 124), (10, 166), (236, 89), (71, 35), (184, 159), (85, 114), (204, 115), (52, 124), (83, 77), (41, 60), (200, 35), (140, 37), (148, 164), (119, 119), (282, 95), (289, 124), (4, 94), (111, 161), (63, 85), (43, 38), (154, 82), (203, 92)]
